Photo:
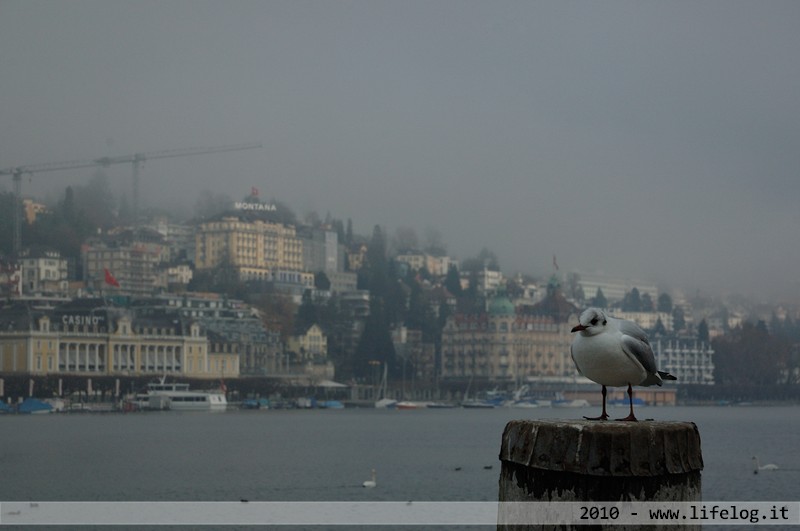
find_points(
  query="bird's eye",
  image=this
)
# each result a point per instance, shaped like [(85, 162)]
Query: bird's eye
[(593, 321)]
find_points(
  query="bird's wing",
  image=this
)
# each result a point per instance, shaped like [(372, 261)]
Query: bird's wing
[(635, 344), (640, 350), (629, 328)]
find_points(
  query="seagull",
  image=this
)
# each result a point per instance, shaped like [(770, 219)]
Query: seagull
[(370, 482), (614, 352), (758, 466)]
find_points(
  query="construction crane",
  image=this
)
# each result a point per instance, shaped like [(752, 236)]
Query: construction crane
[(136, 160)]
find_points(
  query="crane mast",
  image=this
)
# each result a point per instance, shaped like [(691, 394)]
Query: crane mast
[(136, 160)]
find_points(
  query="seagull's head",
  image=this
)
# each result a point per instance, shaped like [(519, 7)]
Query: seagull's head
[(592, 321)]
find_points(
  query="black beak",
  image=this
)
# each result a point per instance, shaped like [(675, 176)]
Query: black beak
[(578, 328)]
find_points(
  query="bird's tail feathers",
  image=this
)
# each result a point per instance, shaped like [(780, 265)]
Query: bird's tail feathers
[(656, 378)]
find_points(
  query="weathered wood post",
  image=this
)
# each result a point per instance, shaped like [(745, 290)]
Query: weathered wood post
[(580, 460)]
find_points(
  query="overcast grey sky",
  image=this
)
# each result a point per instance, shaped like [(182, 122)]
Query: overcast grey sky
[(648, 139)]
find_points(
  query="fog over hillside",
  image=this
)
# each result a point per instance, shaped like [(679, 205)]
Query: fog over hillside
[(645, 140)]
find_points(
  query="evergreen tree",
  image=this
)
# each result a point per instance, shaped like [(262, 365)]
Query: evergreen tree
[(348, 235), (678, 319), (664, 303), (749, 355), (416, 307), (599, 300), (64, 229), (660, 329), (452, 281), (95, 202), (68, 205), (790, 329), (321, 281), (420, 315), (386, 307), (776, 326), (396, 296), (725, 318), (338, 226), (375, 344), (471, 300), (7, 203), (377, 264), (632, 301), (307, 313), (647, 303), (702, 331), (125, 213)]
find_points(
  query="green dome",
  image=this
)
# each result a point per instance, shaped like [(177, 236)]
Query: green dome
[(501, 305)]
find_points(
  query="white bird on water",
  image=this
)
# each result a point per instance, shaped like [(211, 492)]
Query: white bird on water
[(614, 352), (370, 482), (758, 466)]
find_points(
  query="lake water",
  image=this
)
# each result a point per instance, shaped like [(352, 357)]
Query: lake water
[(325, 455)]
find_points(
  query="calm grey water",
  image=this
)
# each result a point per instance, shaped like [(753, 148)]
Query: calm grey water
[(325, 455)]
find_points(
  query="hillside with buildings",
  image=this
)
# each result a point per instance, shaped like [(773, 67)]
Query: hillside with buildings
[(253, 297)]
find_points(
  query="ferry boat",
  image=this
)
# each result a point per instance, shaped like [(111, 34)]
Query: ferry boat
[(178, 397)]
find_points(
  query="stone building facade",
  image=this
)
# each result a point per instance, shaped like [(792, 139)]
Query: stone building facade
[(505, 346), (88, 337)]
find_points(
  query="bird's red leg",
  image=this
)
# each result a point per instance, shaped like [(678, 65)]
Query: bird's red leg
[(630, 417), (604, 415)]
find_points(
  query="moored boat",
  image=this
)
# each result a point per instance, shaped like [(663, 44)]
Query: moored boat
[(33, 406), (410, 405), (524, 404), (386, 403), (578, 402), (440, 405), (477, 404), (178, 397)]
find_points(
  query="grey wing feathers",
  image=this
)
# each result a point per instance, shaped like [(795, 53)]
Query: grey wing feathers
[(634, 342), (629, 328), (641, 351)]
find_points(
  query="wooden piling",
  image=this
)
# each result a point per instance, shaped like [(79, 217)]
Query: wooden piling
[(580, 460)]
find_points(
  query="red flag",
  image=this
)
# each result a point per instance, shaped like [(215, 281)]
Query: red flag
[(254, 191), (110, 279)]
